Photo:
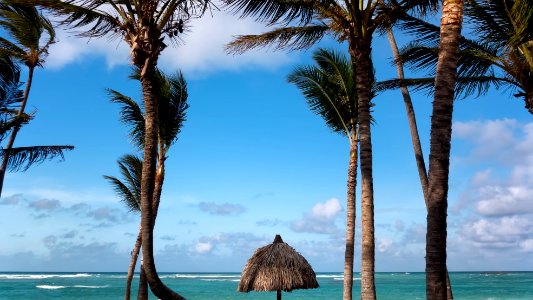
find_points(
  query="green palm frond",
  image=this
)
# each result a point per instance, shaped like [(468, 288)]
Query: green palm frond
[(129, 188), (465, 86), (172, 107), (275, 11), (329, 89), (172, 103), (420, 7), (131, 115), (26, 27), (293, 38), (87, 14), (7, 124), (21, 158)]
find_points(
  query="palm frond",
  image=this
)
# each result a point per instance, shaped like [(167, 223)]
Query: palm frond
[(10, 84), (292, 38), (131, 115), (172, 107), (25, 25), (329, 89), (21, 158), (274, 11), (420, 7), (464, 87), (91, 15), (128, 189)]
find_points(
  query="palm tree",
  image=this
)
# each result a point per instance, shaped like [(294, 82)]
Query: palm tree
[(440, 143), (172, 106), (330, 92), (302, 23), (18, 158), (129, 191), (143, 25), (500, 53), (413, 128), (26, 26)]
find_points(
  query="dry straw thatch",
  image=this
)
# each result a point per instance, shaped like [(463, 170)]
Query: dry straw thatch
[(277, 267)]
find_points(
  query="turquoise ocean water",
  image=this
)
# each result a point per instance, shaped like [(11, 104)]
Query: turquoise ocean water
[(203, 286)]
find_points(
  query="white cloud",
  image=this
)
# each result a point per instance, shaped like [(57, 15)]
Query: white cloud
[(321, 218), (203, 248), (504, 200), (326, 211), (384, 244), (202, 50), (527, 245)]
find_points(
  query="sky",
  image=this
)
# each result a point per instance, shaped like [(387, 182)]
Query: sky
[(253, 161)]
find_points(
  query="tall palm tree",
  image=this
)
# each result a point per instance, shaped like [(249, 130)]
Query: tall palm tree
[(27, 28), (330, 92), (302, 23), (143, 25), (499, 54), (172, 106), (413, 128), (440, 144), (18, 158)]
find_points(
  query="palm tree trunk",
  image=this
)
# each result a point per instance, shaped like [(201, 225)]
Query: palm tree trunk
[(439, 155), (350, 219), (133, 262), (150, 89), (143, 284), (13, 136), (415, 138), (360, 52)]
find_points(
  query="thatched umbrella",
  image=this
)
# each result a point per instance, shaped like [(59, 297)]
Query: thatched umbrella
[(277, 267)]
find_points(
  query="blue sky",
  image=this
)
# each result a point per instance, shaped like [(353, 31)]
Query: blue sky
[(252, 161)]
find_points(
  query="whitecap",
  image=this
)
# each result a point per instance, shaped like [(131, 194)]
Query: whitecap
[(42, 276), (50, 287)]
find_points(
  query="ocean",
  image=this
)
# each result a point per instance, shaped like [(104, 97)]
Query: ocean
[(204, 286)]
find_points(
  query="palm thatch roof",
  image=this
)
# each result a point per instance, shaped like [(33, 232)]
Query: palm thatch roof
[(277, 267)]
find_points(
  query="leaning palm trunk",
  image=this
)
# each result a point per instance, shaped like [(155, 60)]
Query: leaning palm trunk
[(415, 139), (360, 52), (350, 219), (13, 135), (439, 156), (133, 262), (150, 89), (158, 188)]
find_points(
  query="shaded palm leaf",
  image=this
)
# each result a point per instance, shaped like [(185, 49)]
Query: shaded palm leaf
[(497, 24), (329, 89), (275, 11), (131, 114), (21, 158), (129, 188), (10, 92), (293, 38), (172, 107)]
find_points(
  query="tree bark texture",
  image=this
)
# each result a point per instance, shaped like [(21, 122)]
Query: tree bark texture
[(133, 262), (13, 136), (360, 50), (150, 93), (350, 219), (143, 284), (440, 144), (415, 138)]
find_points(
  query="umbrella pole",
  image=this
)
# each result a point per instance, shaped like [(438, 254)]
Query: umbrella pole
[(279, 295)]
